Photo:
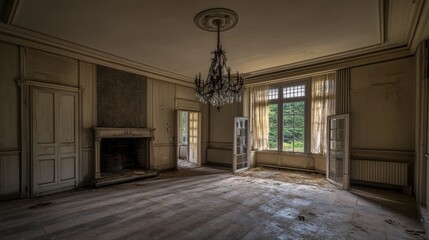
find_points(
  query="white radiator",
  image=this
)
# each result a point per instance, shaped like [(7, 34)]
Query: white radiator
[(394, 173)]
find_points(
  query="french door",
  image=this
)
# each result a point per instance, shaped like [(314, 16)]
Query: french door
[(188, 136), (338, 162), (241, 143)]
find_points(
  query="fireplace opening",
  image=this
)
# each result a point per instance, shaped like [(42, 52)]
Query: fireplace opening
[(123, 156)]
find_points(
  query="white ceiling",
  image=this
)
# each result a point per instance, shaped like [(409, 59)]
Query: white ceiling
[(162, 33)]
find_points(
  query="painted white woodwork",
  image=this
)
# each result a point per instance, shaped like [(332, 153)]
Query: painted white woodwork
[(241, 151), (161, 113), (185, 93), (164, 156), (195, 137), (103, 132), (51, 68), (187, 104), (338, 157), (382, 101), (221, 131), (55, 149), (287, 160), (88, 82), (219, 156)]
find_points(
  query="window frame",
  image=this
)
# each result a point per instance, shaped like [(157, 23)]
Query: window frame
[(307, 112)]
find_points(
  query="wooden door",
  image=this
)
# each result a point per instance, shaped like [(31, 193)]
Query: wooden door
[(54, 140), (194, 137)]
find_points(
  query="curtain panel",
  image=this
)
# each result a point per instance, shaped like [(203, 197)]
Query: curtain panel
[(259, 103), (322, 106)]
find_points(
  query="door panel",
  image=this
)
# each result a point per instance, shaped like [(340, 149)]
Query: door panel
[(67, 126), (45, 117), (46, 171), (67, 168), (54, 137)]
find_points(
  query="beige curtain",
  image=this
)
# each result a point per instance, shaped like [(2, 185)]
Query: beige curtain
[(322, 105), (259, 106)]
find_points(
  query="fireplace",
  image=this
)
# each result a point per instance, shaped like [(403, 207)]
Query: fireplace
[(122, 154)]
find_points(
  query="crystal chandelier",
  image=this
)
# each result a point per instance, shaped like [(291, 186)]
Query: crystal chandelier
[(221, 87)]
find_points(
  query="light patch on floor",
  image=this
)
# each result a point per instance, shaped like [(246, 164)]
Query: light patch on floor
[(284, 175)]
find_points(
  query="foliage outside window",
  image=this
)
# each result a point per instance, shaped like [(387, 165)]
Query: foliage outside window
[(184, 128), (287, 117)]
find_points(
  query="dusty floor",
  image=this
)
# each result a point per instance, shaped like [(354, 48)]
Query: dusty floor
[(288, 176), (184, 164), (209, 203)]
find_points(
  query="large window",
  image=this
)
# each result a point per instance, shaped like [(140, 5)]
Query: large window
[(287, 113)]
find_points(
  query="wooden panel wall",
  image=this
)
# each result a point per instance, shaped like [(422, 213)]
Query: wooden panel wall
[(88, 81), (9, 122), (221, 129), (51, 68), (163, 118)]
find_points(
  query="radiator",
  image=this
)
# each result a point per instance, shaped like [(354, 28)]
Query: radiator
[(394, 173)]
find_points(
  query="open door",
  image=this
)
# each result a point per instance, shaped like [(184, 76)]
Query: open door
[(338, 162), (188, 138), (241, 143), (194, 138)]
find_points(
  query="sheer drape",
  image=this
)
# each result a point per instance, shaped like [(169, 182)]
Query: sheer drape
[(259, 103), (322, 105)]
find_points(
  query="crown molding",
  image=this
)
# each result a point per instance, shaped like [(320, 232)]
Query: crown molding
[(31, 39), (369, 55), (420, 23)]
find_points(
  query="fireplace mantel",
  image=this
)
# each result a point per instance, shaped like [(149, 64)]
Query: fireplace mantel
[(104, 132)]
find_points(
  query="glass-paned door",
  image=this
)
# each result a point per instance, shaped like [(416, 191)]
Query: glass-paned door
[(338, 162), (241, 139)]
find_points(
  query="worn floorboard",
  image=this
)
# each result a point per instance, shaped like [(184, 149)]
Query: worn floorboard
[(209, 203)]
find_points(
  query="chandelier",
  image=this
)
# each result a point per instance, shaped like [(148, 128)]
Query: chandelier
[(220, 87)]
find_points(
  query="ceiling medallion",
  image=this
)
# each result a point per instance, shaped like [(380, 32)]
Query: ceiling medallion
[(220, 87)]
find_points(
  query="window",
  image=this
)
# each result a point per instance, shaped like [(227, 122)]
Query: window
[(287, 113)]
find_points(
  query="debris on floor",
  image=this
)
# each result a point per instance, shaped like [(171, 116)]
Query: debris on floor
[(284, 175)]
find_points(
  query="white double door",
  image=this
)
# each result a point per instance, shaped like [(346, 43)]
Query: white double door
[(54, 124)]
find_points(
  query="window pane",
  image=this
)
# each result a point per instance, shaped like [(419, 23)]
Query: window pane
[(293, 126), (273, 94), (184, 128), (273, 126), (294, 91)]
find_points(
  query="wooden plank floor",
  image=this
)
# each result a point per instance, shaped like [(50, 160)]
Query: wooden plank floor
[(208, 203)]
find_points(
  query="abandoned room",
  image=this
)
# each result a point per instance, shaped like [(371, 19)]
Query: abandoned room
[(277, 119)]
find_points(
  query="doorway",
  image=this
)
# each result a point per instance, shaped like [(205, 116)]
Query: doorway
[(54, 134), (188, 139)]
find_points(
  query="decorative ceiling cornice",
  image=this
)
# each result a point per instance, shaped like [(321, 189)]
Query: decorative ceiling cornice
[(329, 63), (28, 38)]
